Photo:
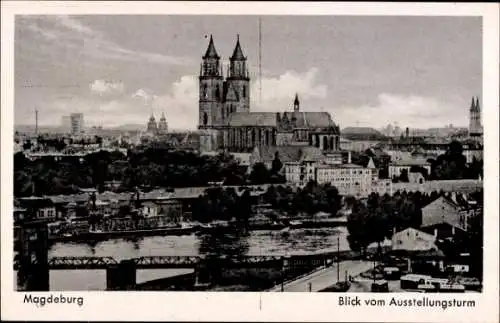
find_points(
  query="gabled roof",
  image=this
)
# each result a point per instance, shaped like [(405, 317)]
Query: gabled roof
[(211, 52), (299, 119)]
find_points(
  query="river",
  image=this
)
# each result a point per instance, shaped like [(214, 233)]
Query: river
[(253, 243)]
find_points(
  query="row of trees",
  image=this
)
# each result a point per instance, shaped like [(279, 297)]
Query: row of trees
[(148, 168)]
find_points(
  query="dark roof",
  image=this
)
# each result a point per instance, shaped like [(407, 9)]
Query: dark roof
[(35, 202), (299, 119), (238, 53), (211, 52)]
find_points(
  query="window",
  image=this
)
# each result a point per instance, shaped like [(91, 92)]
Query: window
[(244, 91)]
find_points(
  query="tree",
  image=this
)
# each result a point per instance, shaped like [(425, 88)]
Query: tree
[(260, 174)]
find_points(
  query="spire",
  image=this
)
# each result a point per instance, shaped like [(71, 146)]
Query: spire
[(163, 116), (211, 52), (474, 105), (238, 53), (477, 104), (296, 103)]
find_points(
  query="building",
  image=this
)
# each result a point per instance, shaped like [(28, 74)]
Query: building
[(412, 239), (163, 125), (226, 122), (475, 126), (361, 138), (38, 208), (152, 127), (396, 167), (445, 216), (76, 123), (349, 179)]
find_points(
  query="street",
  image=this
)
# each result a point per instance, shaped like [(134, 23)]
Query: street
[(325, 277)]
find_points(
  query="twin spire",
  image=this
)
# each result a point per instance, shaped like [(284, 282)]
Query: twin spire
[(475, 104), (212, 52)]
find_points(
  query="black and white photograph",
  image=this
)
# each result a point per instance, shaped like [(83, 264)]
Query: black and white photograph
[(248, 153)]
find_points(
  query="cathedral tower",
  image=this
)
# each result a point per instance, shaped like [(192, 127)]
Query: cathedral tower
[(296, 103), (211, 89), (475, 127), (237, 82)]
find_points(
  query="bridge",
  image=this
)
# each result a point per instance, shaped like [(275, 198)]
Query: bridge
[(157, 262), (121, 275)]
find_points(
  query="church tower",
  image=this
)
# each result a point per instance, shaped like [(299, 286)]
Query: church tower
[(211, 89), (475, 127), (237, 82), (296, 103), (152, 126), (163, 125)]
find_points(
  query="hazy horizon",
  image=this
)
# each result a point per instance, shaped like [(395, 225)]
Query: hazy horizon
[(366, 71)]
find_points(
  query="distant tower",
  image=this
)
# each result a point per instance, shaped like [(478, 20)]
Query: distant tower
[(238, 83), (296, 103), (475, 127), (211, 89), (36, 122), (152, 127), (162, 125)]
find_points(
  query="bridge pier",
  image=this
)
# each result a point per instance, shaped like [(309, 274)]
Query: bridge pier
[(121, 276)]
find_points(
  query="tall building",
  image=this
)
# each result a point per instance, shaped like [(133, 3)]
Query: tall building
[(152, 127), (475, 127), (226, 122), (76, 123), (162, 125)]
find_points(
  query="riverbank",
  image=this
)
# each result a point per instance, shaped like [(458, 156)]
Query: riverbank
[(179, 231)]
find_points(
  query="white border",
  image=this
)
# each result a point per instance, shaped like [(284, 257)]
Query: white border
[(245, 306)]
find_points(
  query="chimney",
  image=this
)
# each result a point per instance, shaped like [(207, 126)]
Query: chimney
[(407, 132)]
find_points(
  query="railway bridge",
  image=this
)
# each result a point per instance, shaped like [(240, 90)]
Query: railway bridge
[(121, 275)]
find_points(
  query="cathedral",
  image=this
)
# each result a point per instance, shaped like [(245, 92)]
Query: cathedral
[(159, 128), (227, 123), (475, 126)]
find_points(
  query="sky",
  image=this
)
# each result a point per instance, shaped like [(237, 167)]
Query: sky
[(369, 71)]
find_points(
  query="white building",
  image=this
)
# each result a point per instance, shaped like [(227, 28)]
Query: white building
[(349, 179), (76, 123), (412, 239)]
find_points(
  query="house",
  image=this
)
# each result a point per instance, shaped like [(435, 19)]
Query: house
[(412, 239), (38, 208), (444, 216), (298, 161), (286, 154), (396, 167), (416, 178)]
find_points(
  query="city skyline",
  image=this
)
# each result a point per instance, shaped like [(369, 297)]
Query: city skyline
[(366, 71)]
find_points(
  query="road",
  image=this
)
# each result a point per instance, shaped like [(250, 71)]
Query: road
[(325, 277)]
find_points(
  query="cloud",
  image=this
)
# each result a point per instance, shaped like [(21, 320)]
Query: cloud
[(72, 35), (278, 92), (405, 110), (102, 87)]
